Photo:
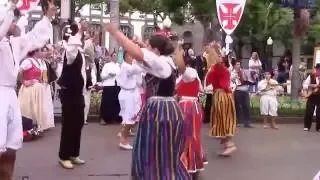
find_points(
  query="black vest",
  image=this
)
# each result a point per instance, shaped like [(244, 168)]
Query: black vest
[(160, 87), (71, 79), (313, 79), (89, 77)]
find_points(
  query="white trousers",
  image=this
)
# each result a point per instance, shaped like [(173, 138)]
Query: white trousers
[(130, 103), (269, 105), (87, 102), (11, 135)]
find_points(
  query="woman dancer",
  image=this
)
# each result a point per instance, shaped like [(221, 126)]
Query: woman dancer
[(160, 140), (129, 98), (32, 94), (188, 88), (223, 120)]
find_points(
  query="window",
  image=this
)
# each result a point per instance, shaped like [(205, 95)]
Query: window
[(96, 6), (147, 32), (126, 30)]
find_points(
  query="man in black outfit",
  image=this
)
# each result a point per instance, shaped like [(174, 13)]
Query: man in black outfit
[(72, 82)]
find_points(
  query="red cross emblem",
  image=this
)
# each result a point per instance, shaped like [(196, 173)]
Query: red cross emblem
[(26, 4), (229, 14)]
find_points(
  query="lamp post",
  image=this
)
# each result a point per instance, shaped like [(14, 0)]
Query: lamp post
[(269, 52), (115, 19)]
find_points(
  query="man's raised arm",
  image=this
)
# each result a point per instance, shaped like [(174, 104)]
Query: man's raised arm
[(6, 21)]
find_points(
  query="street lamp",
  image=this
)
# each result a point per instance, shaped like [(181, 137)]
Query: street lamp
[(269, 41), (269, 52), (167, 22)]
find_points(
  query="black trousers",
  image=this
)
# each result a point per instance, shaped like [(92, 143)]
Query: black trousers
[(242, 102), (312, 102), (72, 123), (207, 108)]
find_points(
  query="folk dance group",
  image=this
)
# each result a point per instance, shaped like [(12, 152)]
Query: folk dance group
[(168, 139)]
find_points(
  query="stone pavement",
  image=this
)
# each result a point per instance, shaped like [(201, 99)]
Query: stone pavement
[(286, 154)]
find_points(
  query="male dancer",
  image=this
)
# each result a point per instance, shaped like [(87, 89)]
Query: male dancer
[(12, 51), (72, 83)]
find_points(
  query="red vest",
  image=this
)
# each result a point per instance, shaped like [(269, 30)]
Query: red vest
[(190, 89)]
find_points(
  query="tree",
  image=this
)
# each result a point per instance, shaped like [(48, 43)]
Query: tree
[(262, 19), (79, 4)]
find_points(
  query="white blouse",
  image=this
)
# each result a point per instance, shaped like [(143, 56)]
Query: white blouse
[(159, 66), (27, 64), (109, 73)]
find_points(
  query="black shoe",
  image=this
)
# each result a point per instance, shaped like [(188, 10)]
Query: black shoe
[(248, 126)]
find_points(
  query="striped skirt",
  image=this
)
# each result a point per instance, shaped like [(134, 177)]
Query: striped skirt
[(193, 156), (160, 142), (223, 116)]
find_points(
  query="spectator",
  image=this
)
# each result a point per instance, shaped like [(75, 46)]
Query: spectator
[(255, 68)]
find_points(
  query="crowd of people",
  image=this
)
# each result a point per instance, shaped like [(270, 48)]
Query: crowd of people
[(153, 86)]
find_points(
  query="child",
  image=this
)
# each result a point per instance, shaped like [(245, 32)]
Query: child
[(129, 98), (269, 89)]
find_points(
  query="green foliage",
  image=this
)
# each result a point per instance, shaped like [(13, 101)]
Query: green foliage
[(264, 18), (286, 106)]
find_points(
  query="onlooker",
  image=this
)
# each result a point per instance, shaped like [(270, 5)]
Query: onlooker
[(255, 68)]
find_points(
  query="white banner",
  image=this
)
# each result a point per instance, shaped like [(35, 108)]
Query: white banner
[(230, 13)]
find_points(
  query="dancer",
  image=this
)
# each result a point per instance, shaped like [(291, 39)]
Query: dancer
[(72, 82), (241, 94), (311, 86), (110, 107), (188, 89), (32, 94), (268, 88), (160, 140), (12, 51), (223, 119), (129, 98)]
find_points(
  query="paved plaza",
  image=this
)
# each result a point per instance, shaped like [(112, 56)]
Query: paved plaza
[(287, 154)]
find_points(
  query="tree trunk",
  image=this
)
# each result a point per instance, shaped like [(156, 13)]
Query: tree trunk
[(115, 19), (295, 80)]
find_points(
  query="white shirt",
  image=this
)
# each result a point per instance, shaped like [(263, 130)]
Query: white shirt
[(272, 92), (159, 66), (306, 83), (128, 76), (109, 73), (11, 57), (235, 80)]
